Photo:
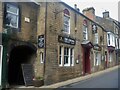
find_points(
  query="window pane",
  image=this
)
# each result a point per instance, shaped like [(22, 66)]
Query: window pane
[(12, 9), (60, 55), (60, 59), (66, 23), (13, 20), (60, 50)]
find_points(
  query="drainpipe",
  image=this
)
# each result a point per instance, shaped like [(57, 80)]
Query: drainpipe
[(45, 38)]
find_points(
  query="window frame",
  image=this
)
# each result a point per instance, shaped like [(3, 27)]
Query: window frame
[(1, 54), (17, 15), (111, 39), (66, 53), (96, 38), (97, 58), (41, 57), (66, 14), (85, 32), (68, 25)]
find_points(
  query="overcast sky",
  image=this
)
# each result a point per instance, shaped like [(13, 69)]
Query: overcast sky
[(99, 5)]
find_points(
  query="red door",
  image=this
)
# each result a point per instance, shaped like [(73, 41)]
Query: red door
[(86, 60)]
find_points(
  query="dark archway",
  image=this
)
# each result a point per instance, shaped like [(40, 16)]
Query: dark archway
[(19, 55)]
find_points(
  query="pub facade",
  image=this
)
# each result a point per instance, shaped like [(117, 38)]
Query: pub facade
[(58, 41)]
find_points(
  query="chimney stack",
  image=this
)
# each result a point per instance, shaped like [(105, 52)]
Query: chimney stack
[(106, 14), (77, 9), (90, 13)]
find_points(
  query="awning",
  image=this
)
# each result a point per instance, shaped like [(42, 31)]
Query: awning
[(111, 48), (87, 44)]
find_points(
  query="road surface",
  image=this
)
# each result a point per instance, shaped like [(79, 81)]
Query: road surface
[(106, 80)]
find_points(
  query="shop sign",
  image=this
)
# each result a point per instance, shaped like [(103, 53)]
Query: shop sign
[(41, 41), (66, 40), (94, 29)]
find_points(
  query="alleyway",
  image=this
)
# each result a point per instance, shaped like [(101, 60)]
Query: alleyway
[(106, 80)]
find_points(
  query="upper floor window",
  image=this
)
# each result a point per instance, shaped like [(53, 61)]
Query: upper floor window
[(108, 39), (66, 21), (116, 42), (116, 30), (85, 30), (111, 39), (96, 38), (12, 16)]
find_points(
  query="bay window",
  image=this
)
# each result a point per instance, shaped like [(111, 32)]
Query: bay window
[(110, 39)]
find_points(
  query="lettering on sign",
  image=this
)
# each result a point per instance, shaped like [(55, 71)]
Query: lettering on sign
[(66, 40)]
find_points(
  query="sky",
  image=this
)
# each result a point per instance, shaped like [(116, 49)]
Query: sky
[(99, 5)]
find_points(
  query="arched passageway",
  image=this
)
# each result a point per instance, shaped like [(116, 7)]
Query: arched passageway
[(19, 55)]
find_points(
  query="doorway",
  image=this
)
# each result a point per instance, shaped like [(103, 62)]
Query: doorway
[(19, 55), (86, 60)]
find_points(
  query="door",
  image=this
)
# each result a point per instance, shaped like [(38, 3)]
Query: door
[(106, 60), (86, 61)]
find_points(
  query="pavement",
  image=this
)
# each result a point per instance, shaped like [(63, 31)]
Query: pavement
[(75, 80)]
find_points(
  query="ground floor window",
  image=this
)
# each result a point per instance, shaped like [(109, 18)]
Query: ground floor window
[(66, 56), (1, 51), (41, 57), (97, 58), (110, 56)]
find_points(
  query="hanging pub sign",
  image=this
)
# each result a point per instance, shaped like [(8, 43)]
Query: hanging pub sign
[(41, 41), (94, 28), (66, 40)]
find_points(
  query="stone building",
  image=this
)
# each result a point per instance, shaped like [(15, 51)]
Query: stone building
[(111, 27), (19, 41), (75, 44), (57, 40)]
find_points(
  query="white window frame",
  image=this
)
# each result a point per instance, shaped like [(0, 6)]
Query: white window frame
[(119, 43), (68, 25), (108, 38), (72, 57), (110, 56), (62, 56), (67, 64), (85, 32), (116, 41), (97, 58), (1, 53), (112, 39), (15, 14), (96, 38), (41, 57)]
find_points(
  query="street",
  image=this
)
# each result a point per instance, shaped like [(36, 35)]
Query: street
[(106, 80)]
